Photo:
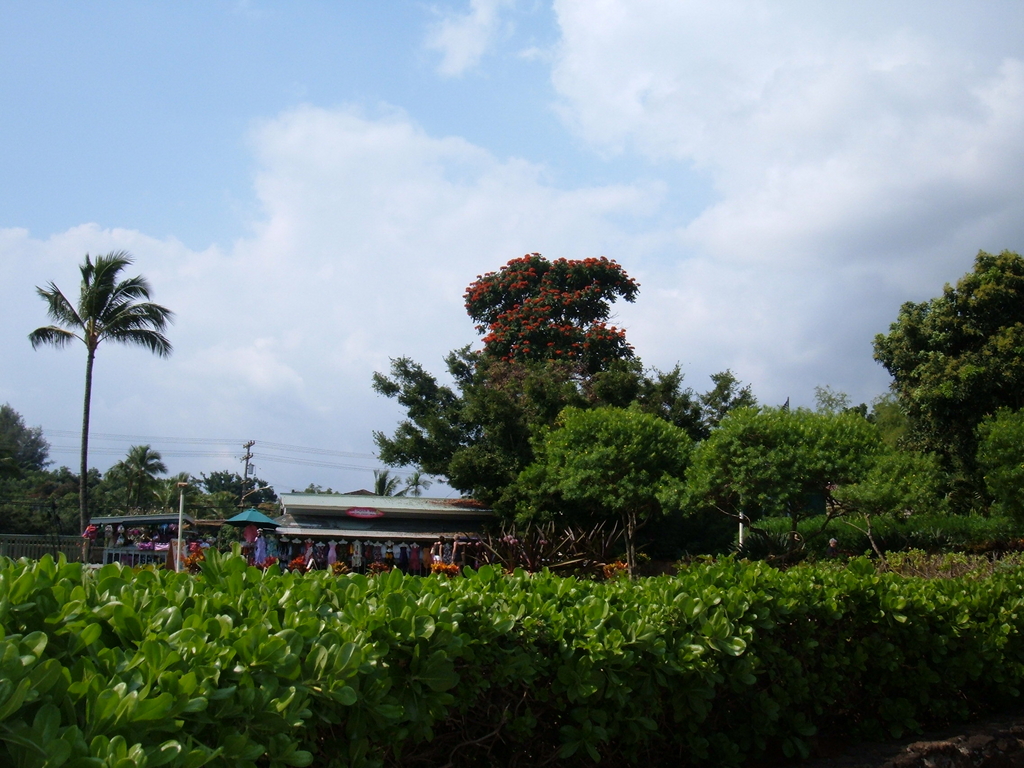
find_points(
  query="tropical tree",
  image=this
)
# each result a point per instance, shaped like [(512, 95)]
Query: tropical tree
[(138, 471), (386, 484), (223, 481), (955, 360), (1001, 459), (608, 463), (168, 492), (535, 309), (547, 346), (726, 396), (776, 461), (25, 446), (108, 309), (416, 483)]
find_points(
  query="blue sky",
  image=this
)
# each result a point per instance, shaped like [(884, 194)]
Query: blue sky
[(310, 186)]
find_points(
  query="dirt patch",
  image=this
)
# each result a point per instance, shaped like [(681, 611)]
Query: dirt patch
[(994, 743)]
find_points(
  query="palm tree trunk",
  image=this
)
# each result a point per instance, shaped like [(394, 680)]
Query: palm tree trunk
[(83, 487)]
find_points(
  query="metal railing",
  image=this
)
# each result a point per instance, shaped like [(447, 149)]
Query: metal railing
[(16, 545)]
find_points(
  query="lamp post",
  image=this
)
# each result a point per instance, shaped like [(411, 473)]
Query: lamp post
[(181, 522)]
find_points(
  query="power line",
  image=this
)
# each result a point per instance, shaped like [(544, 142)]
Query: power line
[(119, 452), (319, 451), (259, 457), (152, 438), (285, 447), (308, 463)]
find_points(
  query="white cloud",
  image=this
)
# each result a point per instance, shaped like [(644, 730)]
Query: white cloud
[(462, 39), (853, 166), (856, 161), (369, 232)]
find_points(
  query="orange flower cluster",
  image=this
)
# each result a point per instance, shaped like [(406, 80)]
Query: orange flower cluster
[(191, 562), (451, 570), (615, 570), (533, 309)]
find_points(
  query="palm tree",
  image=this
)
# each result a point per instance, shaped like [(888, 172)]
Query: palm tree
[(386, 484), (139, 470), (108, 309), (167, 491), (417, 483)]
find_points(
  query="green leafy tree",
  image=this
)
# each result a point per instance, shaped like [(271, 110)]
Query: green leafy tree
[(108, 309), (888, 415), (896, 483), (477, 432), (828, 400), (546, 348), (256, 491), (610, 462), (958, 358), (776, 461), (24, 446), (1001, 459), (725, 396)]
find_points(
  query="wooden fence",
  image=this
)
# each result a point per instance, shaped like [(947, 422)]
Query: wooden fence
[(20, 545)]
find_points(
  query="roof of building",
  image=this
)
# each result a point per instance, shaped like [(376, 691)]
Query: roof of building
[(368, 516), (335, 503), (160, 519)]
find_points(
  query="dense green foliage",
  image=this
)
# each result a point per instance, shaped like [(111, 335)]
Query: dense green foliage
[(1001, 459), (930, 532), (22, 448), (957, 359), (615, 463), (239, 667), (546, 349), (777, 461), (41, 501)]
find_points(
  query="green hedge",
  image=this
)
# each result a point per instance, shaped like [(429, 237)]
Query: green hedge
[(238, 667), (931, 533)]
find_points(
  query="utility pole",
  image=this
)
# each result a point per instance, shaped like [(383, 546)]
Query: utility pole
[(245, 476)]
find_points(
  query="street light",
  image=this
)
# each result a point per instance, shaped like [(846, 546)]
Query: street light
[(181, 521)]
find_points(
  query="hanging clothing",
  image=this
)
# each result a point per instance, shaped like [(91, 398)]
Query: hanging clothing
[(357, 554), (320, 555), (332, 554), (261, 550)]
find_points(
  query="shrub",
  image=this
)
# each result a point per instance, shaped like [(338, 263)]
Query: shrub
[(728, 661)]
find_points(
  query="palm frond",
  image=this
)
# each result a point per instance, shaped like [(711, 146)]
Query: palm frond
[(154, 341), (145, 315), (58, 308), (52, 335), (132, 288)]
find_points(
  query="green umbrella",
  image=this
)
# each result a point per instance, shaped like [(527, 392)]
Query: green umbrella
[(251, 517)]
